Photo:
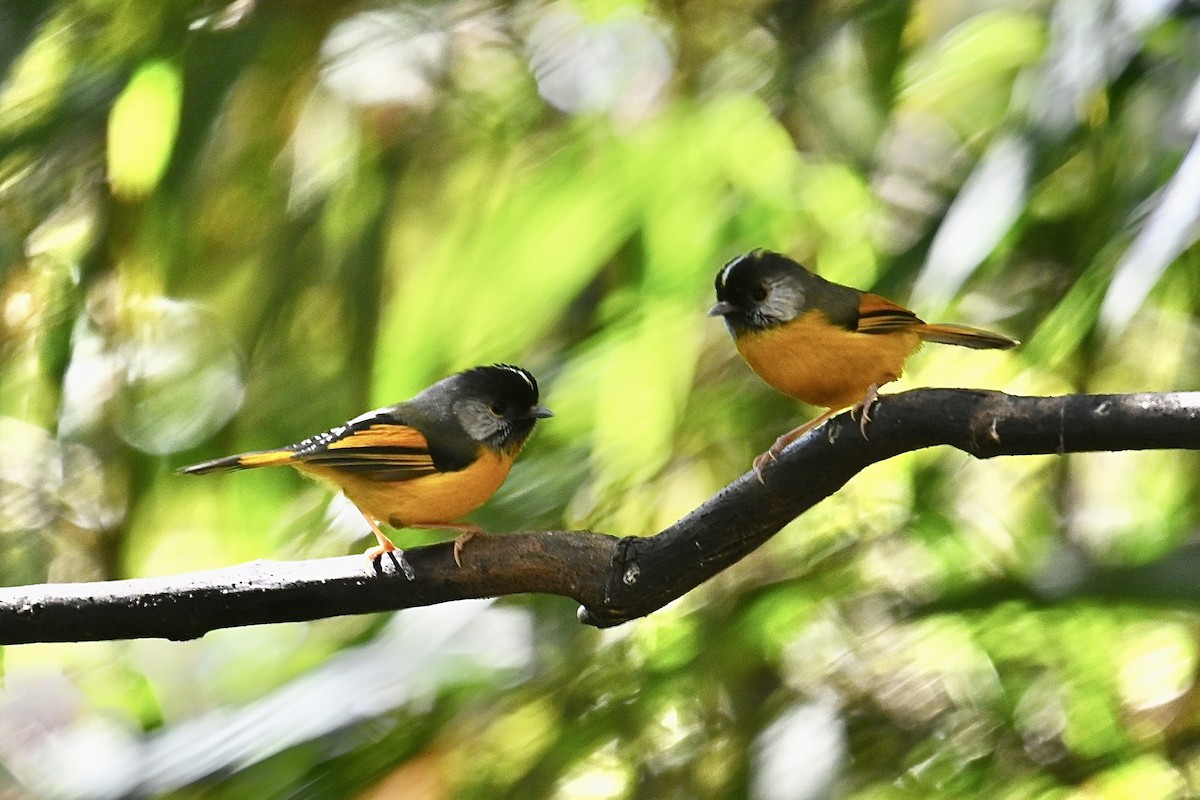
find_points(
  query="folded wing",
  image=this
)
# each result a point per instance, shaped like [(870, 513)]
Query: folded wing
[(879, 315), (376, 446)]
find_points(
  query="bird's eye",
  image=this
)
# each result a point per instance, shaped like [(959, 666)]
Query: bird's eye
[(497, 408), (759, 294)]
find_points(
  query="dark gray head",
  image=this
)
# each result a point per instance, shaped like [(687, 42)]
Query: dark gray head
[(762, 289), (496, 405)]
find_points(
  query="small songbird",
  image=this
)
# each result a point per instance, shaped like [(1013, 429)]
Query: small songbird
[(821, 342), (423, 463)]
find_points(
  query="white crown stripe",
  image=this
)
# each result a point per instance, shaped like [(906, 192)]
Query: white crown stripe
[(525, 376)]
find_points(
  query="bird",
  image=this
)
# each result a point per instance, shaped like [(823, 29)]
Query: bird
[(820, 342), (423, 463)]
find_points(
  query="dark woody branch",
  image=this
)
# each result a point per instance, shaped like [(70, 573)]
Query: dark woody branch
[(614, 579)]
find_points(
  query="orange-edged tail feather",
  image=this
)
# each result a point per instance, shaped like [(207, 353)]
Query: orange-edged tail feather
[(964, 336), (262, 458)]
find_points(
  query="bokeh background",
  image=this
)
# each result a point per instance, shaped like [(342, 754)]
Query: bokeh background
[(228, 226)]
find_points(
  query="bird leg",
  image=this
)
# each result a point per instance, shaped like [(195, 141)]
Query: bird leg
[(782, 442), (864, 406), (385, 544)]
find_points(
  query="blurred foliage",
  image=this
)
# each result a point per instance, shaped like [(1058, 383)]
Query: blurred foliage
[(225, 227)]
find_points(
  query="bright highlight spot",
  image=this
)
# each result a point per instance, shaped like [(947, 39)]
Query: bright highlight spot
[(142, 129)]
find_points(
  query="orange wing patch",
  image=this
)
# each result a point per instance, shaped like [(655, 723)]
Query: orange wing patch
[(383, 436), (381, 452), (879, 315)]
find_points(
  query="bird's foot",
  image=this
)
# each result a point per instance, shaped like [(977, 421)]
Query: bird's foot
[(781, 444), (385, 547), (762, 459), (864, 407), (462, 539), (375, 558)]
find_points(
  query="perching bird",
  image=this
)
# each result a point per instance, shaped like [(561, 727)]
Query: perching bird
[(821, 342), (423, 463)]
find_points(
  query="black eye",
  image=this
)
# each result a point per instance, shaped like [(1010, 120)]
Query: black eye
[(759, 294), (497, 408)]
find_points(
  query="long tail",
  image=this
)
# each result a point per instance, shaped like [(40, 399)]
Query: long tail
[(261, 458), (964, 336)]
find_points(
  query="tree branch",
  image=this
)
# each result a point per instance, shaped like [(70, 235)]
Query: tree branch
[(614, 579)]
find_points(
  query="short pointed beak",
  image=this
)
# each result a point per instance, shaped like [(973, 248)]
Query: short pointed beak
[(540, 412), (722, 308)]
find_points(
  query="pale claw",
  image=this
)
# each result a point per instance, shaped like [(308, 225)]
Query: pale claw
[(462, 539), (761, 461), (375, 554), (864, 406)]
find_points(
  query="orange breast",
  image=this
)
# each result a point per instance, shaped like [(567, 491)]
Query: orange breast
[(813, 360), (437, 498)]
